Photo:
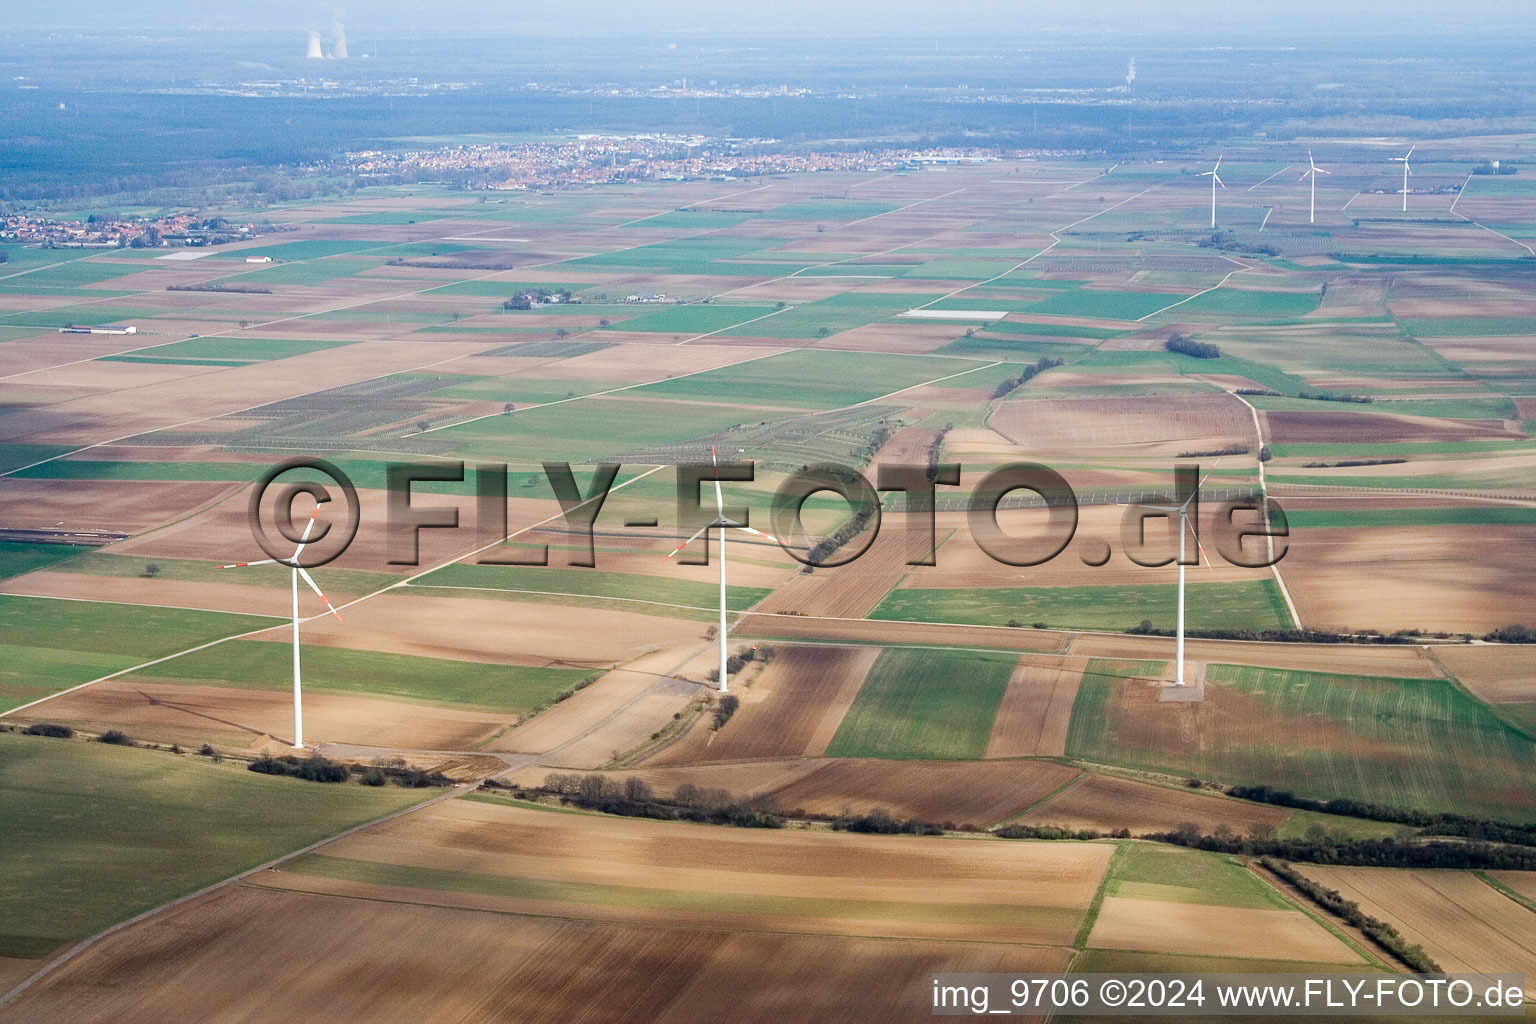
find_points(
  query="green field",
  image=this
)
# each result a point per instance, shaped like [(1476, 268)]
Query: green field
[(920, 703), (579, 431), (50, 644), (692, 319), (1490, 515), (809, 378), (311, 249), (1420, 743), (1147, 872), (95, 834), (1103, 305), (1254, 604), (267, 666), (232, 349), (17, 557), (1245, 303), (593, 583), (105, 563)]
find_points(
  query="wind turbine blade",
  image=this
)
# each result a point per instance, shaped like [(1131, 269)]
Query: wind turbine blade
[(1304, 175), (1319, 170), (758, 533), (304, 537), (1155, 508), (242, 565), (1410, 150), (1218, 163), (702, 530), (318, 592), (1200, 547), (1210, 471)]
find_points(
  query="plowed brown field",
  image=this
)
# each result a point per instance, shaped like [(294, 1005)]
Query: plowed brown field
[(1105, 802), (1036, 709), (1462, 922), (792, 709)]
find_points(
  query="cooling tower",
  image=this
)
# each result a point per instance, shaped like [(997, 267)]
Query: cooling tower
[(313, 53), (340, 51)]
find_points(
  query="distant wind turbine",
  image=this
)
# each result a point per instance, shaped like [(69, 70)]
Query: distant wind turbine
[(722, 523), (1406, 171), (1215, 180), (1312, 172), (1185, 526), (298, 570)]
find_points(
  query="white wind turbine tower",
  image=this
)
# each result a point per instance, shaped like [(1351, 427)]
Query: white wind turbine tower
[(1215, 180), (1312, 172), (1406, 171), (722, 523), (298, 570), (1185, 526)]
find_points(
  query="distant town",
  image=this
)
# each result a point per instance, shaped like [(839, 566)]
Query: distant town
[(580, 161), (600, 159), (97, 232)]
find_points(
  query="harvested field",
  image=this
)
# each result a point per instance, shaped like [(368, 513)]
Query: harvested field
[(1153, 425), (1174, 927), (1036, 709), (792, 708), (1355, 578), (1356, 659), (117, 506), (510, 632), (974, 792), (1106, 802), (615, 713), (874, 631), (158, 406), (1341, 427), (847, 591), (236, 718), (1462, 922), (219, 597), (626, 870), (1499, 675), (478, 968)]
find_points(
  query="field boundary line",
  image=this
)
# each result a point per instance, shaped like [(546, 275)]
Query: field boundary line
[(356, 600), (600, 394), (140, 604), (1299, 901), (1244, 268), (1461, 192), (1272, 177), (721, 330), (1055, 241), (86, 943), (557, 593), (1075, 780), (203, 419), (1269, 541), (1091, 912), (887, 213)]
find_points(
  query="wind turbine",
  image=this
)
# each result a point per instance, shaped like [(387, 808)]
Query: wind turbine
[(1404, 161), (1312, 172), (1185, 525), (298, 570), (722, 523), (1215, 180)]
